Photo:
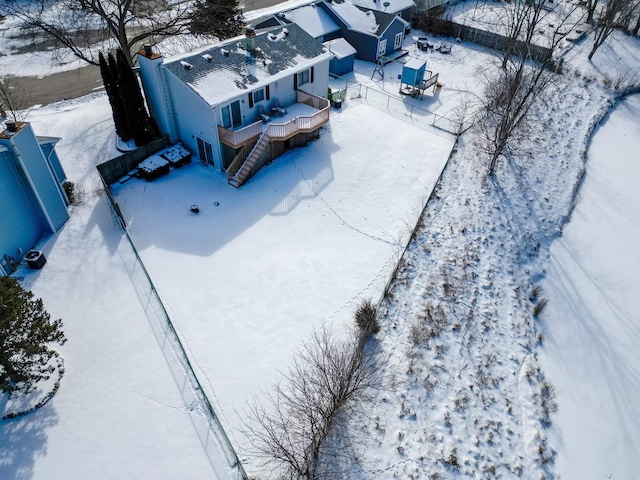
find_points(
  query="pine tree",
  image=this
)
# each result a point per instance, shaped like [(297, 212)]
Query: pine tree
[(221, 18), (26, 329), (109, 78), (142, 127)]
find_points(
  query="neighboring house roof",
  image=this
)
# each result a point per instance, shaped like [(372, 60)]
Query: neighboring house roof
[(340, 48), (315, 21), (226, 70), (394, 6), (361, 20)]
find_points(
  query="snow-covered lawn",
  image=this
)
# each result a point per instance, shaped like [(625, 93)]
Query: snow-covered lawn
[(249, 277), (593, 322), (118, 413)]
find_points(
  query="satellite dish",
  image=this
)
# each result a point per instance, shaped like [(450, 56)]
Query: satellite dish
[(386, 4)]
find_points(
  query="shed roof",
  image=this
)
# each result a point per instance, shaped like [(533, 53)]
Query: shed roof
[(315, 21), (415, 64), (340, 48), (223, 72)]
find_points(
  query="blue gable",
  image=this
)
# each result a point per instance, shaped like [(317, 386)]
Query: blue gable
[(31, 199)]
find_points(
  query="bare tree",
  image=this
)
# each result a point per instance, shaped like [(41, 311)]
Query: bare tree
[(14, 99), (299, 428), (87, 27), (607, 20), (512, 91)]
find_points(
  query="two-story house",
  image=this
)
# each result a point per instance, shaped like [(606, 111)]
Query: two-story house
[(243, 102)]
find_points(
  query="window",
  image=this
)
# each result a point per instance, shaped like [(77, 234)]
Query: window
[(258, 95), (304, 77), (231, 115), (205, 151), (398, 42)]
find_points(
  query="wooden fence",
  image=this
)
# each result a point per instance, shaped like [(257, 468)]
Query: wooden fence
[(118, 167), (449, 28)]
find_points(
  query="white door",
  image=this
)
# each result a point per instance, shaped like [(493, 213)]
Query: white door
[(382, 47)]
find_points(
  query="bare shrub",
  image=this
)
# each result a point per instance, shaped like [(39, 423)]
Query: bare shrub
[(536, 293), (367, 318), (540, 307), (299, 428)]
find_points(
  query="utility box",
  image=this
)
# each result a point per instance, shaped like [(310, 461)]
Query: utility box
[(35, 259)]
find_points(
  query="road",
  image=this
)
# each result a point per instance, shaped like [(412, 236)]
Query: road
[(85, 80)]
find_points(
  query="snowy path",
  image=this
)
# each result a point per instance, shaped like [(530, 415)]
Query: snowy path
[(593, 324)]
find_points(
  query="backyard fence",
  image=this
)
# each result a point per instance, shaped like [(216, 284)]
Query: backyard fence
[(407, 111), (215, 441), (449, 28), (118, 167)]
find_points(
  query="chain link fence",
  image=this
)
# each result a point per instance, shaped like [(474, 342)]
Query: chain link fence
[(406, 111), (215, 441)]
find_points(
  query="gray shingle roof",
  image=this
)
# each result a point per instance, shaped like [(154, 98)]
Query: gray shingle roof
[(211, 71)]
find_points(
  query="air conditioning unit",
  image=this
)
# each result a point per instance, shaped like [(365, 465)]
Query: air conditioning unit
[(35, 259)]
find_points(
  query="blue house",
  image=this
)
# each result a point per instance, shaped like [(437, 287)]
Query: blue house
[(372, 33), (32, 200)]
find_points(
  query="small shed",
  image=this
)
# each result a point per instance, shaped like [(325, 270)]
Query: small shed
[(342, 56), (413, 72)]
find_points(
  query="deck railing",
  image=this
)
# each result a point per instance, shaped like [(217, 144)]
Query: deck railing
[(239, 137), (237, 162), (302, 123)]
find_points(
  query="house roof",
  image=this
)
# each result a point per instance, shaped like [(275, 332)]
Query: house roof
[(394, 6), (362, 20), (42, 140), (315, 21), (226, 70), (340, 48)]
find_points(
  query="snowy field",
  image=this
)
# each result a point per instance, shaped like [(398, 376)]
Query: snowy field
[(248, 278), (593, 322)]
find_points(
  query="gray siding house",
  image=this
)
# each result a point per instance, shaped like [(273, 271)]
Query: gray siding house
[(225, 102)]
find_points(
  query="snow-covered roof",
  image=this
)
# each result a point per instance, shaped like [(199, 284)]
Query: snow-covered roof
[(359, 19), (315, 21), (355, 18), (415, 64), (340, 48), (394, 6), (223, 72)]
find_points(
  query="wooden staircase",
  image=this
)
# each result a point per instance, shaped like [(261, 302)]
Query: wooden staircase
[(243, 172)]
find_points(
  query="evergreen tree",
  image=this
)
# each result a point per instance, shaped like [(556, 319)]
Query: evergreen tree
[(221, 18), (142, 127), (25, 330), (109, 78)]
